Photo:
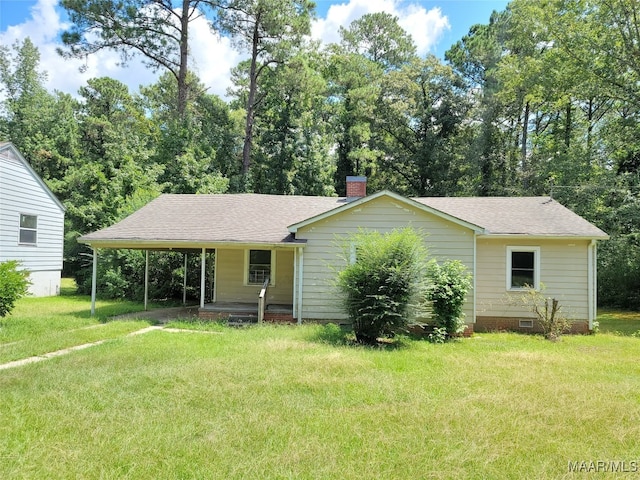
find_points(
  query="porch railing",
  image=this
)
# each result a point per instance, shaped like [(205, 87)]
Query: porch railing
[(262, 300)]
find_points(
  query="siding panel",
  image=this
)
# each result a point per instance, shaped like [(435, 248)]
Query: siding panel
[(21, 192), (322, 258), (563, 272), (230, 278)]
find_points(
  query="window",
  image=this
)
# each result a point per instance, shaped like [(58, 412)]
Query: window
[(260, 266), (28, 229), (523, 268)]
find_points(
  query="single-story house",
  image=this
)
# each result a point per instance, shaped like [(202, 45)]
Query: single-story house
[(31, 222), (287, 248)]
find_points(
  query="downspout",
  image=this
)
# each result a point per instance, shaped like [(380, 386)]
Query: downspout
[(94, 281), (475, 273), (592, 282)]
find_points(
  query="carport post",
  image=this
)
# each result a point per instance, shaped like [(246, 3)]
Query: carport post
[(94, 280), (203, 272), (184, 281), (146, 278)]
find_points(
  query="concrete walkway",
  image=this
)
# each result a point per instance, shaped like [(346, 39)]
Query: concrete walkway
[(162, 315), (65, 351)]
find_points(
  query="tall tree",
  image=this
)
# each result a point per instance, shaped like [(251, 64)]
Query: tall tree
[(268, 30), (154, 29), (198, 149), (42, 125), (353, 90), (293, 149), (420, 114), (379, 38), (475, 57)]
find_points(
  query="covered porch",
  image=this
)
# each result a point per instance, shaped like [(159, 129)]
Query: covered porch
[(239, 283)]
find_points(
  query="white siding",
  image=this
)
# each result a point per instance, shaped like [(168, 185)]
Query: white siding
[(322, 258), (563, 274), (21, 192)]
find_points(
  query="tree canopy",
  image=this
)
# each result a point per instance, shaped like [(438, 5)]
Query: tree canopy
[(543, 99)]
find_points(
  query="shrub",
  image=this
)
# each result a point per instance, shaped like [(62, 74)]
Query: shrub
[(13, 285), (383, 278), (548, 312), (449, 284)]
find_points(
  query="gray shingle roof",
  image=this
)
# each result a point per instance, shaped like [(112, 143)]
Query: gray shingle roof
[(254, 218), (249, 218), (537, 216)]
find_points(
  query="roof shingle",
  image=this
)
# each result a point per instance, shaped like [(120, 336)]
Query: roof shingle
[(255, 218)]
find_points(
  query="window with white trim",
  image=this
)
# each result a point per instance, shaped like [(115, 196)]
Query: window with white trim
[(28, 229), (523, 268), (260, 265)]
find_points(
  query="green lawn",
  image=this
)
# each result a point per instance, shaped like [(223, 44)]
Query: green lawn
[(290, 402)]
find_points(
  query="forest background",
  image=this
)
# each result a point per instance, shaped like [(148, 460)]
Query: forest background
[(542, 100)]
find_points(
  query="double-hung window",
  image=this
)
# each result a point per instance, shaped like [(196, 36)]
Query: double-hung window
[(260, 266), (523, 268), (28, 229)]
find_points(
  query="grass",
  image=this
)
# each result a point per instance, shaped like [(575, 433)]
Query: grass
[(293, 402), (619, 322), (42, 325)]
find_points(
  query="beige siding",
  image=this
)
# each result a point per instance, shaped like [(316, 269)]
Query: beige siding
[(230, 278), (563, 273), (322, 258)]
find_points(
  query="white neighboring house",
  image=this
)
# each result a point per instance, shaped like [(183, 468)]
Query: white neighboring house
[(31, 222)]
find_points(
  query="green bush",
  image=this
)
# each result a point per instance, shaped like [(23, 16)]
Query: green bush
[(383, 279), (449, 284), (13, 285)]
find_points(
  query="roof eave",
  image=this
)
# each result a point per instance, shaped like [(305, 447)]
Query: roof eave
[(533, 236), (140, 244)]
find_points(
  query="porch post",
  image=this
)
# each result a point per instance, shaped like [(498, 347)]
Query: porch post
[(202, 276), (94, 280), (184, 281), (300, 282), (146, 279)]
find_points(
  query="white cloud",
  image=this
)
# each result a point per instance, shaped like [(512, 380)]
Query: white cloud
[(425, 26), (212, 57)]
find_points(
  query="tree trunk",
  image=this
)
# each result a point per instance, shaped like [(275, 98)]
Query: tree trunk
[(184, 56), (253, 85), (523, 146), (567, 127)]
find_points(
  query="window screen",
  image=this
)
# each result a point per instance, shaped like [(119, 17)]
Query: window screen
[(259, 266)]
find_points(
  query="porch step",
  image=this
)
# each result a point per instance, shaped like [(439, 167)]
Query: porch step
[(239, 320)]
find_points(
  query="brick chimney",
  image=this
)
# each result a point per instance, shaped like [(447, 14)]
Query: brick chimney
[(356, 187)]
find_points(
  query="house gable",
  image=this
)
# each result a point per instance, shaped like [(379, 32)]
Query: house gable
[(8, 152), (31, 222), (326, 246), (403, 201)]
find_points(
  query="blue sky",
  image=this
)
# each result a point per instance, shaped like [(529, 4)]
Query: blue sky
[(435, 25)]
